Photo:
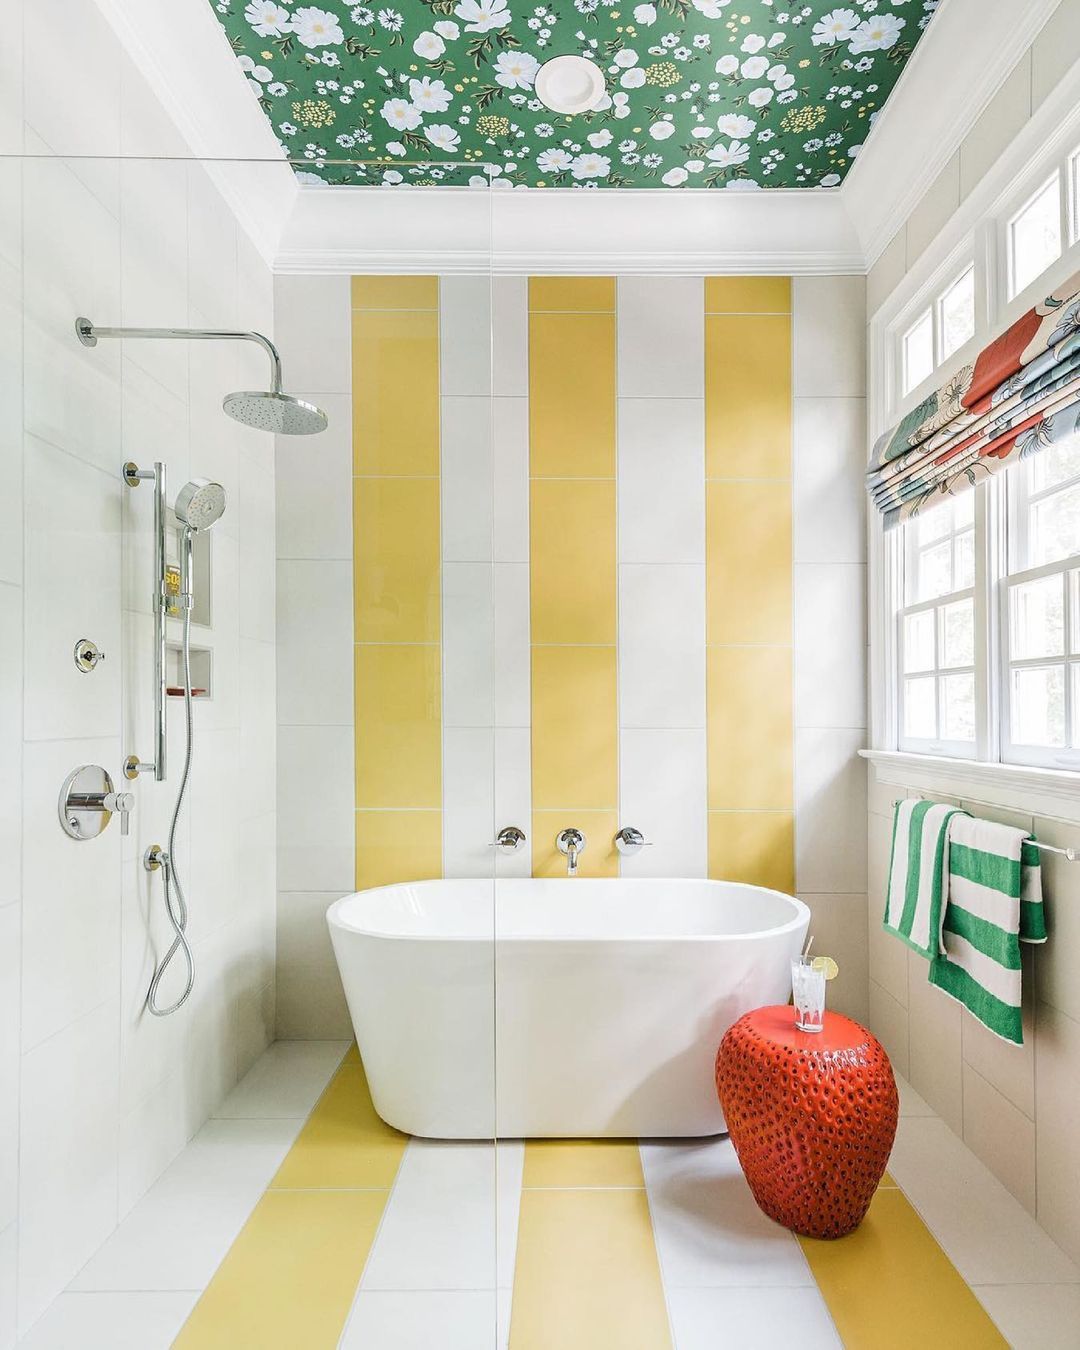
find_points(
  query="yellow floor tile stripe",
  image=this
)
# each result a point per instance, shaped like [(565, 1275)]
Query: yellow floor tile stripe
[(290, 1277), (587, 1272), (889, 1285)]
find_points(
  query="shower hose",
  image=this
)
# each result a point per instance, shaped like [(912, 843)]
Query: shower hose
[(175, 904)]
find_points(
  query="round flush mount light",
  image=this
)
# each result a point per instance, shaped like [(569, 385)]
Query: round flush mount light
[(569, 84)]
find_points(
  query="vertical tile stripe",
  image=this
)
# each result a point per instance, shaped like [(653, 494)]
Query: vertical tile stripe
[(749, 579), (573, 567), (397, 578), (889, 1285), (289, 1278)]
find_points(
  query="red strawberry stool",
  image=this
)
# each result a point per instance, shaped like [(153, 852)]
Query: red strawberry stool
[(812, 1116)]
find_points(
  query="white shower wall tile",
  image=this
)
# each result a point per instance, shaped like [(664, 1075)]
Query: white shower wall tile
[(10, 918), (314, 491), (310, 1000), (316, 845), (830, 809), (11, 784), (313, 320), (315, 659), (662, 645), (828, 459), (468, 648), (513, 795), (9, 1261), (510, 336), (661, 480), (661, 337), (830, 644), (211, 240), (829, 336), (468, 508), (468, 801), (513, 679), (510, 429), (662, 792), (465, 335)]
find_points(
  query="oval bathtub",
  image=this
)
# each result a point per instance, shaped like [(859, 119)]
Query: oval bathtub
[(572, 1008)]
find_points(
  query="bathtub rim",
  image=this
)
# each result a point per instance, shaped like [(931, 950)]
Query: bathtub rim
[(801, 912)]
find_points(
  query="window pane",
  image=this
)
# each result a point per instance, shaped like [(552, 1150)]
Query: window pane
[(1038, 618), (935, 525), (964, 560), (1074, 614), (1074, 676), (958, 707), (1056, 464), (920, 708), (934, 571), (919, 640), (1054, 526), (1037, 706), (957, 313), (963, 509), (919, 351), (958, 634), (1074, 214), (1035, 236)]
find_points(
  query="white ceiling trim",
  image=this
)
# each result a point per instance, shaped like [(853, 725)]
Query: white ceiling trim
[(956, 69)]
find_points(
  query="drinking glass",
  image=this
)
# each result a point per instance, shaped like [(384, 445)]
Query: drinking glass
[(808, 994)]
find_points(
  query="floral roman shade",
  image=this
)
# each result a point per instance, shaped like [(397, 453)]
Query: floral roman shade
[(1021, 394)]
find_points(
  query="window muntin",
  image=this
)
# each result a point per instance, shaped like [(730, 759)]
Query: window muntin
[(1034, 235)]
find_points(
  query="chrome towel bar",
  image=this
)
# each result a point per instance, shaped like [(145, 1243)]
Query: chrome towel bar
[(1069, 854)]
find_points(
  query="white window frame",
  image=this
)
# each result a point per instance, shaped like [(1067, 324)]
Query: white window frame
[(1056, 179)]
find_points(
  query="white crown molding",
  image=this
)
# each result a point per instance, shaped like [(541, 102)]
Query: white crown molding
[(184, 55), (962, 61)]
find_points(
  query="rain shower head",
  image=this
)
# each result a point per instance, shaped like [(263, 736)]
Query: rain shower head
[(200, 504), (271, 410)]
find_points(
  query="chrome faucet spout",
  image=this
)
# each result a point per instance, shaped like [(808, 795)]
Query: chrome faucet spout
[(572, 843)]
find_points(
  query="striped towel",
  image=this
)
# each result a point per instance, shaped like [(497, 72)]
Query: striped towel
[(918, 874), (994, 903)]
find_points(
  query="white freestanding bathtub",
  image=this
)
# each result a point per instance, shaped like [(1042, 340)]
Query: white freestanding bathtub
[(576, 1008)]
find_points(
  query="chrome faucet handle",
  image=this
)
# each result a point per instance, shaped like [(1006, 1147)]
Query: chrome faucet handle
[(121, 803), (510, 839), (569, 839), (630, 841)]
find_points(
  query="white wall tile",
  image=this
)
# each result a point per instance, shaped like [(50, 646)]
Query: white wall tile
[(153, 288), (313, 479), (315, 659), (1058, 1180), (467, 488), (830, 804), (838, 923), (828, 468), (662, 792), (513, 796), (11, 789), (468, 647), (315, 809), (313, 323), (513, 678), (468, 801), (661, 480), (310, 999), (11, 117), (211, 246), (830, 645), (68, 1148), (1056, 973), (1000, 1136), (510, 424), (934, 1027), (10, 918), (889, 1023), (661, 645), (9, 1281), (11, 367), (661, 337), (1008, 1069), (510, 336), (888, 955), (829, 337), (465, 335)]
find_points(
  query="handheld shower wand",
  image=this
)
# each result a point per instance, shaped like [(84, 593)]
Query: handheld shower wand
[(199, 506)]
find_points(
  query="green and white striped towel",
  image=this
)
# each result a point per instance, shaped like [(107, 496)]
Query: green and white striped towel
[(994, 903), (918, 874)]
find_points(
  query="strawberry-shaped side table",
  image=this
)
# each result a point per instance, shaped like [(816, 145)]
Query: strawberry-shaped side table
[(812, 1117)]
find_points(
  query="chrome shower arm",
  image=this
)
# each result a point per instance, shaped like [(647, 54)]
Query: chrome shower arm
[(88, 334)]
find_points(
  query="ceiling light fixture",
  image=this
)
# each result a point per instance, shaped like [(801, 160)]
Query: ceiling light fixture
[(569, 84)]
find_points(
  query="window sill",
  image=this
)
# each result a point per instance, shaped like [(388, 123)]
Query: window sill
[(1019, 787)]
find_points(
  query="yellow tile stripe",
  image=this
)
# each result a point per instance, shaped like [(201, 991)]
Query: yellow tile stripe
[(587, 1273), (572, 568), (889, 1285), (397, 578), (749, 579), (289, 1278)]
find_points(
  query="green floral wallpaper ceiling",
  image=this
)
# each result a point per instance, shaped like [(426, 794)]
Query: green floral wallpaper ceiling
[(737, 94)]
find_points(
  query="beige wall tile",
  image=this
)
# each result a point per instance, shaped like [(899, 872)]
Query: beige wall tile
[(1009, 1068), (1000, 1135), (1056, 1159), (889, 1023), (838, 924), (934, 1064), (887, 273), (1002, 118), (937, 204), (887, 954), (1055, 50), (1055, 961)]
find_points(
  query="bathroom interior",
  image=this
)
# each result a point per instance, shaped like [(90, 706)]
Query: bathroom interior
[(523, 528)]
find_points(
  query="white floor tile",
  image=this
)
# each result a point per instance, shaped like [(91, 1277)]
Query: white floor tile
[(985, 1232), (179, 1232), (1034, 1316), (709, 1231), (510, 1165), (752, 1319), (450, 1319), (438, 1229), (911, 1104), (286, 1082), (106, 1321)]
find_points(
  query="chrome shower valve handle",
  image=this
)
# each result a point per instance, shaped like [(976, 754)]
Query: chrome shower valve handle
[(510, 839), (629, 841)]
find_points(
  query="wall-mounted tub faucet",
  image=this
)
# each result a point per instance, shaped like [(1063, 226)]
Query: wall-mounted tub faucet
[(571, 842)]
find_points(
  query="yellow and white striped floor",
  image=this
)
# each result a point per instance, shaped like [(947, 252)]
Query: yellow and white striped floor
[(283, 1227)]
